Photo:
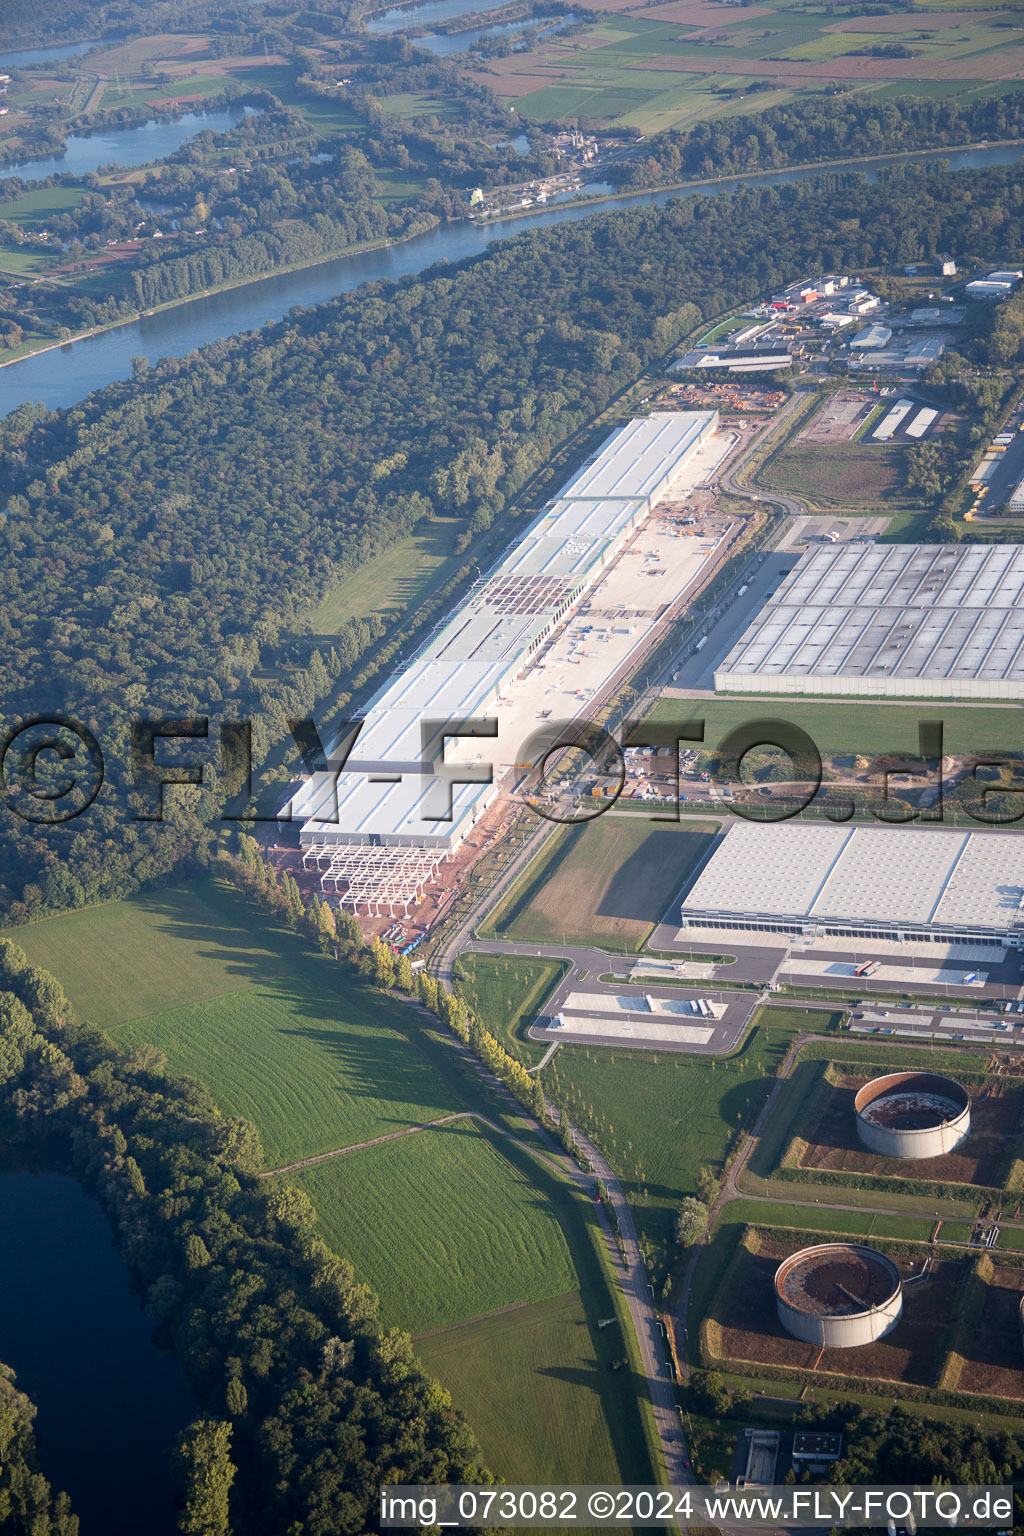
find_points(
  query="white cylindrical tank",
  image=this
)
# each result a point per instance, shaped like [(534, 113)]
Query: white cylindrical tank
[(838, 1295), (912, 1114)]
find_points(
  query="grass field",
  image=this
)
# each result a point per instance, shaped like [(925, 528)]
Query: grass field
[(313, 1064), (442, 1225), (556, 1415), (277, 1034), (34, 210), (604, 882), (506, 993), (659, 1119), (849, 726), (398, 579), (855, 475), (323, 115)]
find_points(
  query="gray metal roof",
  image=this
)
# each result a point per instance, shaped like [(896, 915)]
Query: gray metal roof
[(904, 611), (641, 457), (910, 875)]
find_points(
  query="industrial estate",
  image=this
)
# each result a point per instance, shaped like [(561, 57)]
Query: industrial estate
[(862, 1227)]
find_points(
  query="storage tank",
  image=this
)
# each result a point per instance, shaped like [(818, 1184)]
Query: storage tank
[(838, 1295), (912, 1114)]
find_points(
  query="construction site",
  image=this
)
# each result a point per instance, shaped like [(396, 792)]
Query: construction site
[(411, 797)]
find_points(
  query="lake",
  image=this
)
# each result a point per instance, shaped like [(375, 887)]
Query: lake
[(402, 16), (444, 43), (102, 359), (109, 1403), (25, 56), (128, 147)]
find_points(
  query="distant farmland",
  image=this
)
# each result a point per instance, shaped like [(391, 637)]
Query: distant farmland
[(661, 66)]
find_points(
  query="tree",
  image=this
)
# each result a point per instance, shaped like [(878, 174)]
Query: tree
[(691, 1220), (207, 1473)]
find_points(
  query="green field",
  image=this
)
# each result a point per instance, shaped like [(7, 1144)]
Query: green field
[(34, 210), (282, 1036), (849, 726), (323, 115), (442, 1225), (407, 105), (604, 882), (622, 67), (506, 993), (314, 1061), (395, 581), (659, 1118), (544, 1405)]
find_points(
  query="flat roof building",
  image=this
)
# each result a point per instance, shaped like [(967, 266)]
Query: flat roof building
[(806, 879), (394, 790), (915, 621), (872, 337)]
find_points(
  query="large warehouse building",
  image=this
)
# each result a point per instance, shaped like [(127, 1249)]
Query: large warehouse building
[(870, 882), (379, 826), (898, 621)]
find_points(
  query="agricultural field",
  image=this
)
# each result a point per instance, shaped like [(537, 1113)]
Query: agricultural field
[(34, 210), (604, 882), (506, 993), (276, 1033), (393, 582), (660, 1119), (445, 1225), (664, 65)]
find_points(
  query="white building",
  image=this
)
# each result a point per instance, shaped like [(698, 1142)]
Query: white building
[(872, 338), (397, 788), (808, 879), (900, 620)]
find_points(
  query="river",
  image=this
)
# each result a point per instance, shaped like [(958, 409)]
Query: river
[(64, 375), (110, 1405), (444, 43), (127, 147)]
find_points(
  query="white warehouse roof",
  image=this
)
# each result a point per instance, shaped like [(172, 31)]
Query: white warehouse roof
[(641, 458), (462, 669), (799, 874), (923, 620)]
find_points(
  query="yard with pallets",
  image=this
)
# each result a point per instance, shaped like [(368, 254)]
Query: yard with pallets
[(605, 882)]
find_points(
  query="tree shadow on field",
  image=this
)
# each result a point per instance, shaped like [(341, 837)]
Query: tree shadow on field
[(643, 886)]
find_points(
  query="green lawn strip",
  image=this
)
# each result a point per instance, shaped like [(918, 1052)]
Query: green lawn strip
[(281, 1035), (766, 1391), (506, 992), (855, 725), (659, 1118), (398, 580), (158, 951), (444, 1225), (1009, 1237)]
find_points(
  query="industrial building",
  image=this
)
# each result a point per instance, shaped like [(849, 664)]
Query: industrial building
[(1016, 501), (995, 286), (872, 338), (737, 359), (912, 1114), (378, 822), (894, 621), (838, 1295), (863, 882)]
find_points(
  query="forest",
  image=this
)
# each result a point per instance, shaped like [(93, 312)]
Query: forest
[(825, 127), (164, 540)]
